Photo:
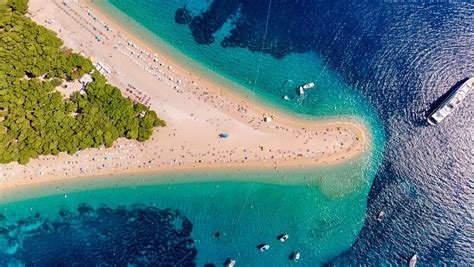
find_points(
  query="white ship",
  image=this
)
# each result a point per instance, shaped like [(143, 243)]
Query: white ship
[(451, 102), (413, 260)]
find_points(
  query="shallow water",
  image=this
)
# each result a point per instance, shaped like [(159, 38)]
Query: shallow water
[(320, 224), (383, 62)]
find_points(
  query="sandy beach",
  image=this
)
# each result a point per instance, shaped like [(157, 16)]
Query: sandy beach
[(197, 110)]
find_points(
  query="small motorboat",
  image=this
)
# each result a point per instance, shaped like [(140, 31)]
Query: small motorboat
[(309, 85), (283, 237), (263, 247), (380, 216), (231, 263), (301, 90), (413, 260), (295, 256), (304, 87), (287, 98)]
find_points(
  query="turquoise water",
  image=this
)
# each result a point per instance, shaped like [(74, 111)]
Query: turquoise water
[(246, 214), (323, 209), (254, 74)]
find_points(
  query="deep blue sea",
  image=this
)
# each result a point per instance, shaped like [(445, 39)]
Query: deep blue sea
[(385, 62)]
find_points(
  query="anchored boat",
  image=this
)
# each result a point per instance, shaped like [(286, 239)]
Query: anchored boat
[(304, 87), (295, 256), (450, 103), (380, 216), (283, 237), (308, 85)]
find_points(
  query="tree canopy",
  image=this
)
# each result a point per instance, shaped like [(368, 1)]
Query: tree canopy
[(20, 6), (35, 119)]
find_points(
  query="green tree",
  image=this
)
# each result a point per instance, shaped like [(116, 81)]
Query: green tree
[(35, 119), (18, 5)]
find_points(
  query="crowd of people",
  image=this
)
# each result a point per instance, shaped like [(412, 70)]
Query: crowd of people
[(131, 155)]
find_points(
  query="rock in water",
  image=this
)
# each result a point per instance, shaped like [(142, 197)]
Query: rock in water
[(182, 16)]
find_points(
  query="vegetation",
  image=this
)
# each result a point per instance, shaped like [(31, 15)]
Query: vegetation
[(35, 119), (20, 6)]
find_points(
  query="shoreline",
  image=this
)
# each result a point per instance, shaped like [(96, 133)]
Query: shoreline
[(152, 42), (185, 170), (137, 178), (229, 88), (285, 125)]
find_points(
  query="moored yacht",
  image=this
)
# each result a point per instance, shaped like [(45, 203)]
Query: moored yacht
[(450, 103)]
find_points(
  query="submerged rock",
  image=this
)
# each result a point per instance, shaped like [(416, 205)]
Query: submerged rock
[(125, 235), (182, 16), (202, 32)]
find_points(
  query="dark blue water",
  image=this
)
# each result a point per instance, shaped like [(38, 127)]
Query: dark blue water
[(126, 235), (402, 56)]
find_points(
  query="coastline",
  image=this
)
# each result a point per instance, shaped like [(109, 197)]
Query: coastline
[(225, 86), (286, 126), (144, 177)]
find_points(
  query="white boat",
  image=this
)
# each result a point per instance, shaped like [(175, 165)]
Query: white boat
[(304, 87), (301, 90), (283, 237), (295, 256), (450, 103), (264, 247), (287, 98), (412, 262), (380, 216), (308, 85), (231, 263)]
